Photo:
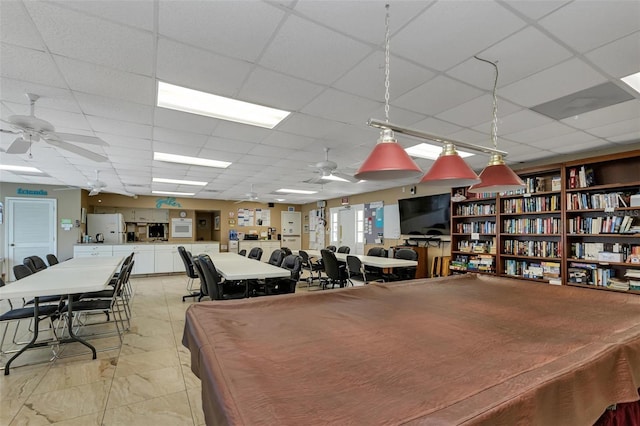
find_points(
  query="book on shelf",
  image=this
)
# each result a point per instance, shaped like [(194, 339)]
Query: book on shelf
[(573, 178), (618, 284), (556, 183)]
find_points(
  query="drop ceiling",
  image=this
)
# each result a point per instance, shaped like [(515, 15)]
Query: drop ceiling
[(96, 65)]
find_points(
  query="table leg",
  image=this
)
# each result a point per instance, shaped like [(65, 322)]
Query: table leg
[(36, 319), (72, 336)]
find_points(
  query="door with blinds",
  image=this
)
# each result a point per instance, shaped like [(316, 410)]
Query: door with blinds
[(31, 229)]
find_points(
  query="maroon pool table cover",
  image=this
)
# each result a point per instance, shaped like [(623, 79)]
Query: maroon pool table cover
[(456, 350)]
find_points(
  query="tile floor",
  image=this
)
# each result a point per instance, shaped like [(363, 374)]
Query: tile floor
[(146, 381)]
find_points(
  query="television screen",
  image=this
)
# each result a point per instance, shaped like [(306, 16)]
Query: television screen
[(428, 215)]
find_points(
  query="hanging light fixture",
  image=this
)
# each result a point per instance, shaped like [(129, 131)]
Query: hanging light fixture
[(388, 160), (450, 169), (497, 176)]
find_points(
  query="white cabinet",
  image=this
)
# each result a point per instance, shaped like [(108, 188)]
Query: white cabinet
[(160, 216), (143, 215), (267, 246), (129, 215), (144, 257), (90, 250), (207, 248), (167, 258)]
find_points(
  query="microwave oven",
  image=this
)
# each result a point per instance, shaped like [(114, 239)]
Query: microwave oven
[(181, 228)]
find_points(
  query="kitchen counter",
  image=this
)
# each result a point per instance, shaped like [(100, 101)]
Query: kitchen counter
[(132, 243)]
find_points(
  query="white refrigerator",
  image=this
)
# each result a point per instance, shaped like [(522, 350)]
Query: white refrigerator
[(111, 226), (291, 230)]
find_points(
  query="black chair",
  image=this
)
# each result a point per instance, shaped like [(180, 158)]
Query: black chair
[(377, 251), (276, 257), (287, 251), (187, 260), (215, 287), (293, 263), (336, 272), (357, 270), (35, 263), (242, 252), (311, 266), (408, 273), (52, 259), (255, 253), (332, 248), (344, 249), (372, 270)]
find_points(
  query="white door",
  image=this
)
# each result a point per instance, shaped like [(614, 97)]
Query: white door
[(31, 229), (359, 212), (347, 229)]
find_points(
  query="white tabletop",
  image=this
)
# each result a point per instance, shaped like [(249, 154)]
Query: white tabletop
[(375, 261), (89, 262), (68, 279), (234, 267)]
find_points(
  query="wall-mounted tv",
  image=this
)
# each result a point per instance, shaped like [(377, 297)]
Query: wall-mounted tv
[(428, 215)]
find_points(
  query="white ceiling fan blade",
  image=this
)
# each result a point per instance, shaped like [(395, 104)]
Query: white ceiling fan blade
[(19, 146), (346, 177), (72, 137), (77, 150), (94, 191), (13, 132)]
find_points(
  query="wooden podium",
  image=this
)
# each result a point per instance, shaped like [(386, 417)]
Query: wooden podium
[(422, 270)]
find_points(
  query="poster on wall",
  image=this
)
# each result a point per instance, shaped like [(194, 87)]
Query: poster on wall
[(316, 229), (374, 222), (246, 217), (263, 217)]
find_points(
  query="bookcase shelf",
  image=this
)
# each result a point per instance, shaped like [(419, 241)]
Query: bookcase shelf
[(606, 182)]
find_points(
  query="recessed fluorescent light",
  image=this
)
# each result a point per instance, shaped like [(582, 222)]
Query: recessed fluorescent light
[(179, 181), (633, 80), (280, 199), (186, 194), (430, 152), (24, 169), (183, 159), (296, 191), (210, 105), (334, 178)]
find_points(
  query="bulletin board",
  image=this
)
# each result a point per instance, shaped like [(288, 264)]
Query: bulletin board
[(374, 222)]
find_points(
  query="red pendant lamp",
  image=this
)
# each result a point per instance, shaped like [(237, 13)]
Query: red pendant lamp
[(450, 170), (388, 160), (497, 176)]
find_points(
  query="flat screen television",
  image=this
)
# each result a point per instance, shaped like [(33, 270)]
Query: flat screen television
[(428, 215)]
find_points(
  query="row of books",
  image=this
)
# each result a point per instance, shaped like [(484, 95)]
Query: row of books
[(633, 276), (589, 273), (532, 248), (600, 225), (583, 201), (532, 204), (592, 251), (475, 209), (582, 177), (471, 263), (477, 246), (484, 227), (539, 270), (548, 225)]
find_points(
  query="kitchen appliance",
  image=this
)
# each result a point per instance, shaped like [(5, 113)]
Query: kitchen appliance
[(111, 226), (100, 237), (131, 236), (291, 230), (181, 228)]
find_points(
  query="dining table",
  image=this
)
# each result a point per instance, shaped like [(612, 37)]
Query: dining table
[(374, 261), (234, 267), (74, 276)]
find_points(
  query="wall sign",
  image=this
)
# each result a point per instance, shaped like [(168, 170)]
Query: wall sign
[(35, 192)]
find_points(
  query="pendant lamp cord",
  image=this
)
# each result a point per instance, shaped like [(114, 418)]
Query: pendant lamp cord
[(494, 124), (386, 65)]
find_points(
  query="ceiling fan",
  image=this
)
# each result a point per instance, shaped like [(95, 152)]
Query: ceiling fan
[(328, 171), (96, 186), (249, 196), (32, 129)]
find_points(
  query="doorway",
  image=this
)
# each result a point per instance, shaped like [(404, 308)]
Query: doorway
[(31, 229), (347, 229)]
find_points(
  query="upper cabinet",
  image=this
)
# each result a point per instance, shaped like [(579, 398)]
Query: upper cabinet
[(137, 215)]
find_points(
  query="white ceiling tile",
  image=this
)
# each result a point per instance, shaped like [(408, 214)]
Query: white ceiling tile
[(243, 132), (126, 159), (269, 151), (135, 13), (436, 127), (581, 147), (229, 145), (29, 65), (617, 129), (105, 125), (472, 136), (619, 58), (450, 24), (536, 9), (108, 82), (115, 109), (574, 138), (276, 90), (396, 115), (118, 151), (628, 138), (308, 125), (179, 120), (586, 30), (541, 52), (476, 111), (533, 135), (609, 115), (309, 51), (123, 141), (563, 79), (102, 42), (16, 26), (206, 71), (437, 95), (516, 122), (179, 137), (174, 148), (254, 160), (341, 106), (235, 29), (287, 140)]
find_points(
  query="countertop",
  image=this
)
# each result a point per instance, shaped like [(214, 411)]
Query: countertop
[(145, 242)]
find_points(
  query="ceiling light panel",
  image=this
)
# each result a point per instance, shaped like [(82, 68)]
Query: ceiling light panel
[(633, 80), (180, 181), (295, 191), (430, 152), (173, 158), (23, 169), (333, 178), (183, 194), (210, 105)]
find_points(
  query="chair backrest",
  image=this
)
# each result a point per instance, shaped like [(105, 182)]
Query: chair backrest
[(330, 264), (293, 263), (209, 275), (406, 254), (344, 249), (276, 257), (354, 265), (332, 248), (188, 263), (286, 250), (21, 271), (255, 253), (35, 263), (52, 259), (243, 252), (377, 251)]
